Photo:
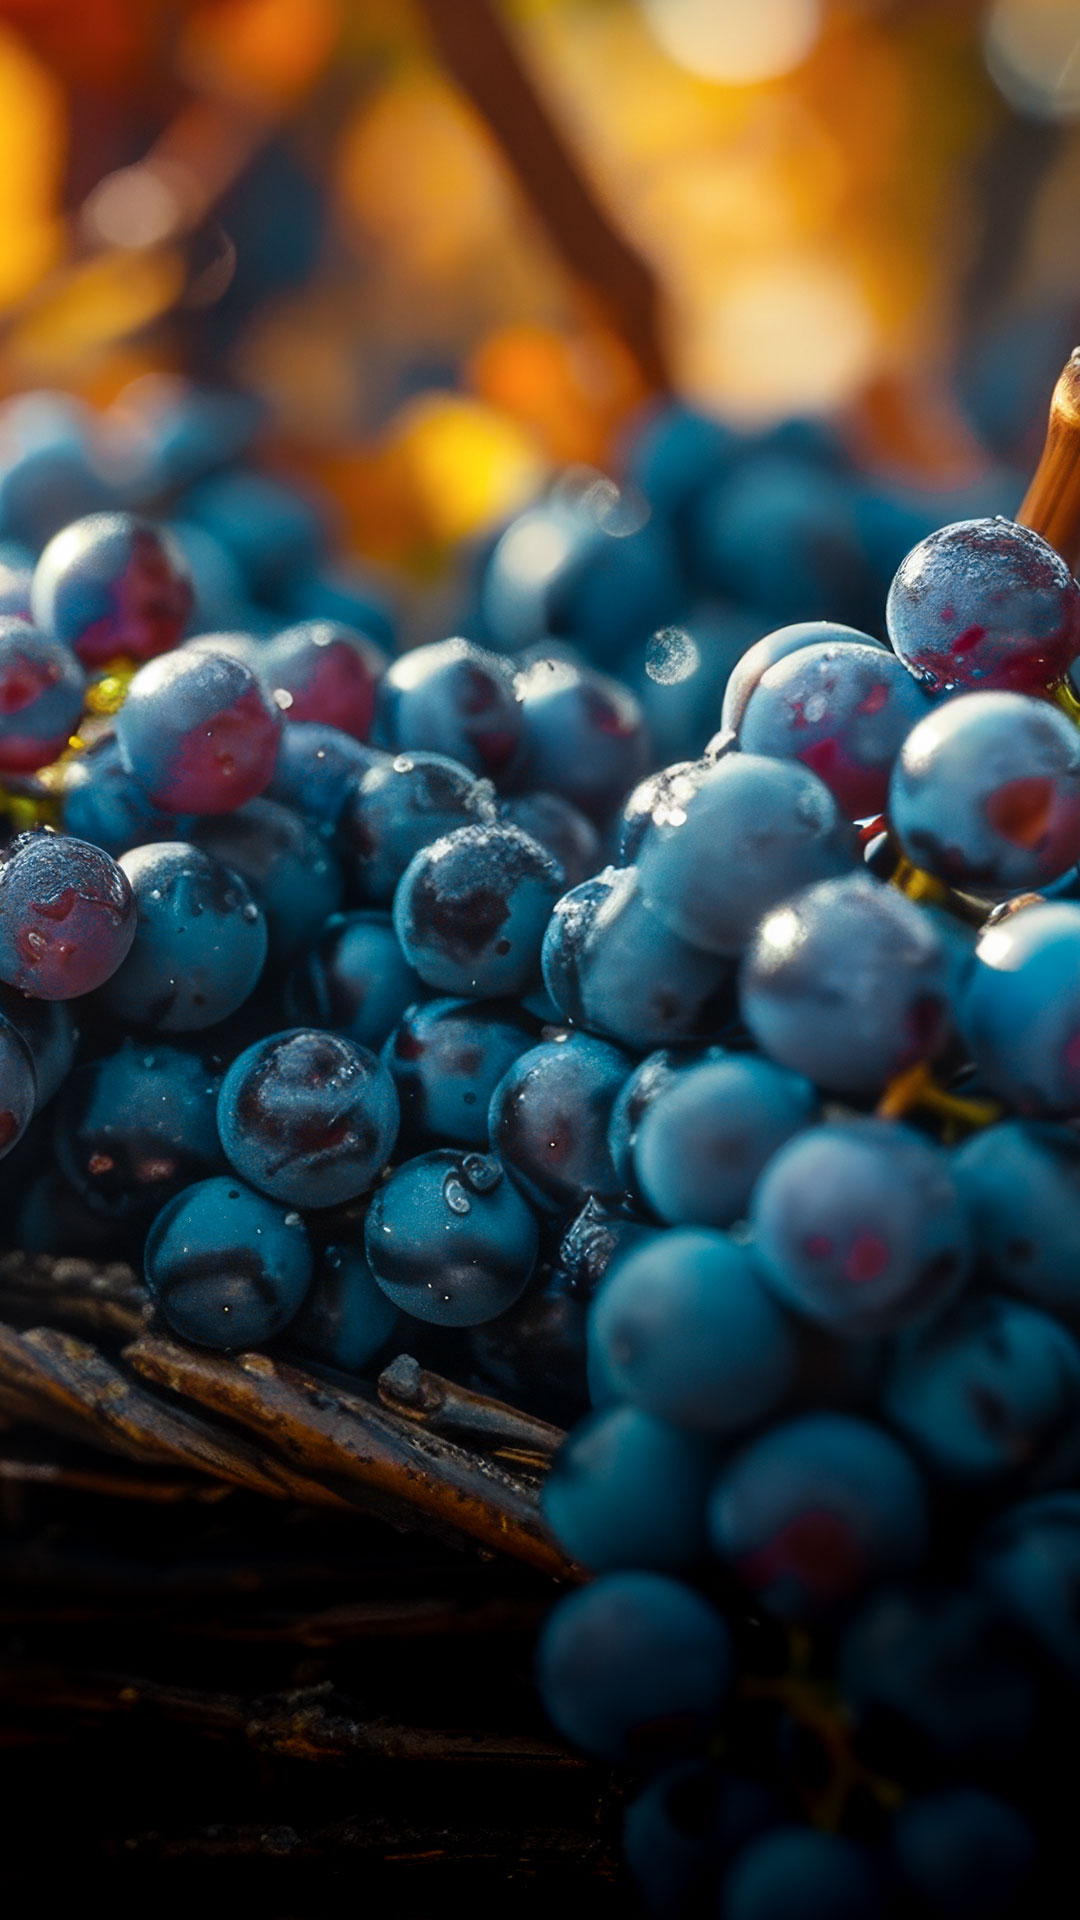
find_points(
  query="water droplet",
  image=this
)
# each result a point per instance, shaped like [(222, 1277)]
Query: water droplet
[(155, 893), (455, 1196), (294, 1220), (249, 912), (481, 1172), (283, 698), (671, 656)]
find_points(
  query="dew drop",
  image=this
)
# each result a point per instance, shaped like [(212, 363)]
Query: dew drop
[(671, 656), (455, 1196)]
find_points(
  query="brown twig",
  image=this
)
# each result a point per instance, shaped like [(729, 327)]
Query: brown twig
[(520, 1849), (1052, 503), (350, 1440), (478, 51), (440, 1404), (307, 1724), (106, 1298), (115, 1486)]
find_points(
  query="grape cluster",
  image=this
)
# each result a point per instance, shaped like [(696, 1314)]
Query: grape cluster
[(704, 1071)]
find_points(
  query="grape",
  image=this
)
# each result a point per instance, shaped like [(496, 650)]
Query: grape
[(49, 471), (561, 829), (987, 1390), (628, 1490), (666, 792), (112, 585), (15, 579), (702, 1142), (633, 1665), (1020, 1184), (849, 983), (985, 603), (584, 736), (748, 672), (18, 1086), (471, 908), (136, 1127), (779, 534), (649, 1079), (287, 866), (986, 793), (795, 1873), (67, 916), (456, 699), (611, 965), (858, 1224), (354, 978), (275, 534), (322, 671), (102, 802), (675, 451), (752, 832), (684, 1329), (308, 1117), (817, 1509), (963, 1853), (842, 709), (397, 807), (549, 1119), (41, 696), (317, 768), (340, 592), (446, 1058), (534, 1354), (450, 1240), (1028, 1562), (346, 1319), (199, 943), (198, 732), (227, 1267), (681, 1831), (1020, 1011), (595, 1238), (49, 1034), (680, 676)]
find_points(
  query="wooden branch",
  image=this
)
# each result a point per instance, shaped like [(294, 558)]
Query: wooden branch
[(115, 1486), (338, 1435), (522, 1849), (478, 51), (308, 1724), (1051, 505), (104, 1299), (440, 1404)]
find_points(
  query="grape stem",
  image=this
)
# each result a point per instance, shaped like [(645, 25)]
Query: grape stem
[(916, 1090), (1051, 506)]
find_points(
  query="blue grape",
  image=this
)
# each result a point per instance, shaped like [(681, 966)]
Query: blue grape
[(666, 791), (674, 451), (288, 867), (858, 1224), (49, 1034), (199, 945), (446, 1058), (219, 592), (963, 1853), (227, 1267), (1028, 1562), (849, 983), (1020, 1010), (398, 807), (985, 603), (450, 1240), (176, 431), (136, 1127), (628, 1490), (752, 832), (112, 585), (585, 735), (18, 1086), (685, 1330), (987, 1391), (683, 1829), (549, 1119), (317, 768), (534, 1354), (986, 793), (651, 1077), (842, 709), (16, 574), (324, 672), (41, 696), (353, 978), (457, 699), (563, 830), (67, 916), (611, 965), (346, 1319), (308, 1117), (816, 1510), (680, 676), (50, 473), (104, 803), (341, 592), (471, 908), (703, 1141), (796, 1873), (275, 531), (634, 1666), (198, 732), (1020, 1184), (748, 672), (936, 1677), (775, 504)]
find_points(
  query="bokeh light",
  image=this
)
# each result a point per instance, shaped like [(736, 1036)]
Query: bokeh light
[(740, 42)]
